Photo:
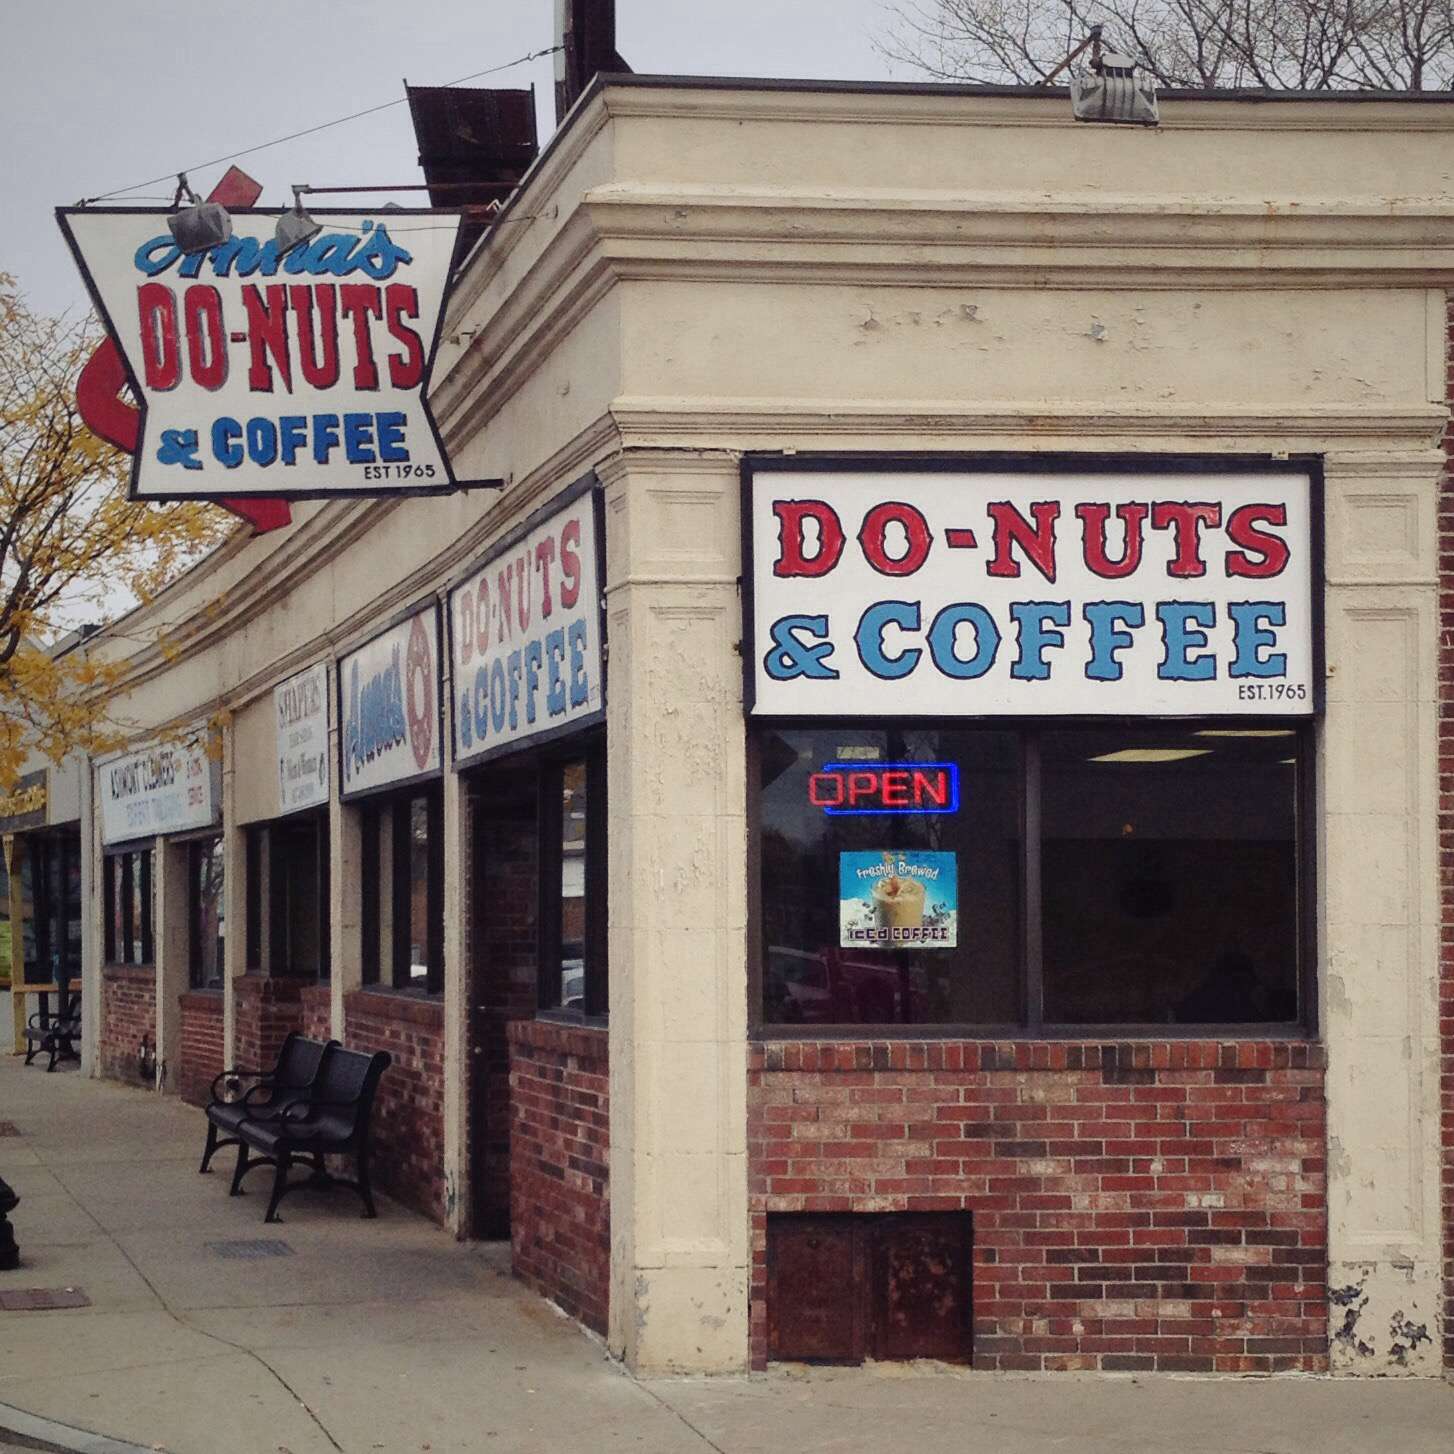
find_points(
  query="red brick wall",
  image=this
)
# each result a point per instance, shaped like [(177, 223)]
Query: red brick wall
[(1136, 1206), (317, 1011), (201, 1058), (264, 1011), (560, 1137), (128, 1012), (1446, 850), (407, 1159)]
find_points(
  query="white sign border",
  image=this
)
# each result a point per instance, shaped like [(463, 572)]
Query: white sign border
[(450, 485), (589, 483), (765, 464), (433, 774)]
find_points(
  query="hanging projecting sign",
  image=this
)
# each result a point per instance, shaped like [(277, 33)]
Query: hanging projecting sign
[(388, 700), (302, 373), (164, 789), (526, 628), (301, 705), (911, 592), (24, 806)]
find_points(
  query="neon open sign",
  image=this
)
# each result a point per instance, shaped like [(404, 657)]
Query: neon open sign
[(849, 790)]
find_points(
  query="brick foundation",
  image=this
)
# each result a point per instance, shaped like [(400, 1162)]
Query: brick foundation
[(1136, 1206), (317, 1001), (201, 1058), (408, 1125), (264, 1010), (1446, 852), (128, 1015), (560, 1203)]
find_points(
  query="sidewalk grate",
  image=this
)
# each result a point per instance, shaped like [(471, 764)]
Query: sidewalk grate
[(42, 1299), (9, 1128), (250, 1248)]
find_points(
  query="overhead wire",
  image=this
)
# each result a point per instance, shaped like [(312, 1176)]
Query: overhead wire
[(310, 130)]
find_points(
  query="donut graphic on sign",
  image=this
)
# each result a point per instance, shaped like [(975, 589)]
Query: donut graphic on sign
[(419, 693)]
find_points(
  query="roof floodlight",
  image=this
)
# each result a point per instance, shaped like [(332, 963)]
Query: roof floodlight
[(295, 226), (199, 225), (1114, 89)]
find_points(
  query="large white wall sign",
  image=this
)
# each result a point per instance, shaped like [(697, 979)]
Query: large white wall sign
[(525, 630), (954, 592), (388, 701), (301, 708), (168, 788), (298, 375)]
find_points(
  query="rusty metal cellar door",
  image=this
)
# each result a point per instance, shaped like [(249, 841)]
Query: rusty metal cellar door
[(890, 1286)]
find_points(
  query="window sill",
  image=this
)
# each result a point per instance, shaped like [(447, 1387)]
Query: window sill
[(1046, 1034), (128, 971), (395, 1005), (572, 1019)]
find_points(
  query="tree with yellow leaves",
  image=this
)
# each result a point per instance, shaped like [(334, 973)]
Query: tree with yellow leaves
[(73, 547)]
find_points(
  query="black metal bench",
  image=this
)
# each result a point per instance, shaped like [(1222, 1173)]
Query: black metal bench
[(55, 1034), (239, 1095), (332, 1119)]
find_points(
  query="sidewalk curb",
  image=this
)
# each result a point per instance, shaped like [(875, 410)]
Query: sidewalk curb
[(63, 1437)]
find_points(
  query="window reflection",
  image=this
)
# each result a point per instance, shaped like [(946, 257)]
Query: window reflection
[(573, 886), (881, 903)]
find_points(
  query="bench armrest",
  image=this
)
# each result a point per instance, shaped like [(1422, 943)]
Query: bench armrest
[(302, 1110), (231, 1080)]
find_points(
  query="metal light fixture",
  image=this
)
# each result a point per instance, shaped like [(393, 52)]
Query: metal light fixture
[(199, 225), (1112, 88), (296, 226)]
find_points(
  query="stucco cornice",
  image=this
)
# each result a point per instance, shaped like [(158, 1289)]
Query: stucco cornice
[(739, 100), (803, 423)]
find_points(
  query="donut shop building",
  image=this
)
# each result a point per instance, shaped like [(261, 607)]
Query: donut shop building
[(909, 825)]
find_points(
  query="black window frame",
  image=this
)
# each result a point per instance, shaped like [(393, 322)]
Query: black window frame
[(120, 868), (1032, 1024), (595, 951), (197, 978), (44, 864), (395, 977)]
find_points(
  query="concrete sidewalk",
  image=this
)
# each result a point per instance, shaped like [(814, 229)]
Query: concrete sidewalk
[(357, 1336)]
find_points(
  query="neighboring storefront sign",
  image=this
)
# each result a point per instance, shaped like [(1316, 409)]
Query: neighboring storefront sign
[(526, 628), (301, 705), (294, 374), (898, 900), (388, 695), (168, 788), (24, 806), (953, 591)]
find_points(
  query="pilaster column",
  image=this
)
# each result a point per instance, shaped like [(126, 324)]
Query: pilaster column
[(1380, 927), (345, 886), (678, 864), (169, 934), (457, 981)]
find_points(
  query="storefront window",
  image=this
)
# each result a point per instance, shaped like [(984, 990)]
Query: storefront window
[(287, 897), (572, 859), (208, 913), (50, 876), (403, 891), (1032, 879), (128, 888)]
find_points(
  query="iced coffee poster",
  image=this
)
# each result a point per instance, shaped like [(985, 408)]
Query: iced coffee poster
[(898, 900)]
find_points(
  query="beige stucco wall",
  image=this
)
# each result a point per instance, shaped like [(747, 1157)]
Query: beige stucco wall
[(689, 273)]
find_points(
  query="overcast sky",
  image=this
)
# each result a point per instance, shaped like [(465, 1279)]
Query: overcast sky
[(100, 94)]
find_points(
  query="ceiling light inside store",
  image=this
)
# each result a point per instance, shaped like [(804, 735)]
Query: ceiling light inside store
[(1245, 732), (1152, 754)]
